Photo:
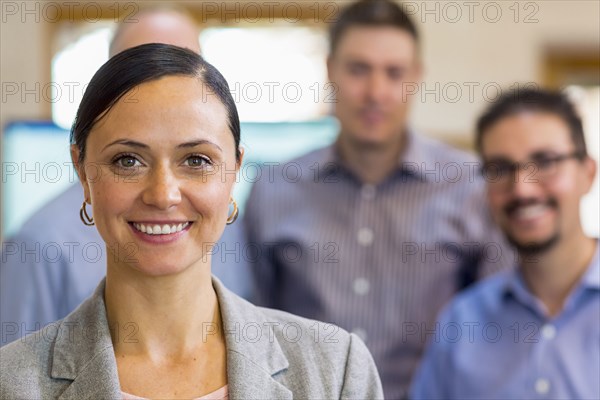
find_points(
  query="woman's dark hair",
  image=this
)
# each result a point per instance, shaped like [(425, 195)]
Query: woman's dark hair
[(138, 65), (537, 100)]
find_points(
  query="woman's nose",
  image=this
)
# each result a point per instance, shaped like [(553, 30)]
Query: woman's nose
[(162, 189)]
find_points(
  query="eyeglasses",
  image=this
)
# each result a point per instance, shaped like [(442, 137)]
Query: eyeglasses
[(540, 167)]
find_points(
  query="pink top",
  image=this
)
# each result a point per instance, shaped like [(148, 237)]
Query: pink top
[(219, 394)]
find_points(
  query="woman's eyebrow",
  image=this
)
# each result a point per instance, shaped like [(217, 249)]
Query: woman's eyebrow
[(127, 142), (133, 143), (195, 143)]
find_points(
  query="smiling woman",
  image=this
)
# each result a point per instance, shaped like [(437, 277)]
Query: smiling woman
[(156, 144)]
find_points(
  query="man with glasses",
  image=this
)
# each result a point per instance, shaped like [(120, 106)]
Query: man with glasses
[(533, 332)]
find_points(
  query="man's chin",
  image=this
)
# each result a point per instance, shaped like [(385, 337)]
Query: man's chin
[(533, 247), (372, 142)]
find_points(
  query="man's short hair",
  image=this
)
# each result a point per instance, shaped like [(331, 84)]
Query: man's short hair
[(534, 100), (374, 13)]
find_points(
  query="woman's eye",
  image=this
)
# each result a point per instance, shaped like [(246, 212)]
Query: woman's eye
[(196, 161), (127, 162)]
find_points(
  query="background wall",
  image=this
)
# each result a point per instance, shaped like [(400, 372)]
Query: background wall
[(484, 52), (471, 46), (471, 49)]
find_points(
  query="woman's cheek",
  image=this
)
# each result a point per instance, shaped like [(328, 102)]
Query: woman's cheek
[(109, 200)]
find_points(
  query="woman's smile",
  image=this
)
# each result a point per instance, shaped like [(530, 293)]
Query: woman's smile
[(160, 232)]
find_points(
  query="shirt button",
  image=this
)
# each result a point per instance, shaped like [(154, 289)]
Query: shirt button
[(548, 332), (361, 286), (542, 386), (361, 333), (365, 236), (368, 192)]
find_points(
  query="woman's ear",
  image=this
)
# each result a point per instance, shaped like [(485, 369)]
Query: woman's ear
[(241, 160), (238, 166), (80, 172)]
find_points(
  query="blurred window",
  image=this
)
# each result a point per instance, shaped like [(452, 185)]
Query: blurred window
[(275, 74), (587, 99)]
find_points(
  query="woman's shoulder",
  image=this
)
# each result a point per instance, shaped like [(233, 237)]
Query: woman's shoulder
[(312, 359), (36, 365), (323, 352), (32, 349), (318, 335), (25, 369), (311, 341), (252, 323)]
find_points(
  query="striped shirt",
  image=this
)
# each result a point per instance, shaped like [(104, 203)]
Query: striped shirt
[(379, 261)]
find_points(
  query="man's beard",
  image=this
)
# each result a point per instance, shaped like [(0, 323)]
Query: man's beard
[(533, 248)]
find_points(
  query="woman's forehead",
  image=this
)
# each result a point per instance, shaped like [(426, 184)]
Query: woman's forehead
[(170, 89), (170, 107)]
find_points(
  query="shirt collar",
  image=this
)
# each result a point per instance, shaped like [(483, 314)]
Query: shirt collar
[(417, 157), (414, 160), (516, 287)]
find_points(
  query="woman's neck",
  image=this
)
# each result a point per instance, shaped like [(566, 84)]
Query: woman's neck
[(162, 317)]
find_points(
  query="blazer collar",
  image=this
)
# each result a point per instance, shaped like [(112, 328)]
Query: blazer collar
[(254, 355), (83, 350)]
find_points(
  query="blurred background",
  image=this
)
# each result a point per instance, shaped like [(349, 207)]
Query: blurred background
[(273, 56)]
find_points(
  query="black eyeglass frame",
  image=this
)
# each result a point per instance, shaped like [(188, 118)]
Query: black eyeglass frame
[(501, 170)]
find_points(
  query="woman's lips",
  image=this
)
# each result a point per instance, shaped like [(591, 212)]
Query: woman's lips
[(160, 229), (154, 232)]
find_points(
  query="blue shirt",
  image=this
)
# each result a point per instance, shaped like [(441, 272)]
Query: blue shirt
[(55, 262), (496, 341), (377, 260)]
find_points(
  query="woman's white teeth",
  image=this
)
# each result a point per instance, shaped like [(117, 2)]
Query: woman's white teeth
[(160, 229)]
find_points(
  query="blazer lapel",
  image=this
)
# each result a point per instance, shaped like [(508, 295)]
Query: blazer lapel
[(254, 356), (83, 352), (247, 380), (98, 380)]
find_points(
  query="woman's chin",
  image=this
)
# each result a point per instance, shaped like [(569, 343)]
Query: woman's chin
[(155, 268)]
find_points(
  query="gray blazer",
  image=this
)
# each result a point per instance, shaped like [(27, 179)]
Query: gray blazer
[(270, 355)]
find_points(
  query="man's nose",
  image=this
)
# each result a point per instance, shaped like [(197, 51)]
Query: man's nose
[(525, 182), (377, 87)]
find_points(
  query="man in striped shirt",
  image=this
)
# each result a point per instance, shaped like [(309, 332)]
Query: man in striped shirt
[(376, 232)]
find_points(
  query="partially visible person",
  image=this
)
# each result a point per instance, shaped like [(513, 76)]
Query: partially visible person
[(157, 25), (534, 332), (36, 287), (378, 231), (156, 175)]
